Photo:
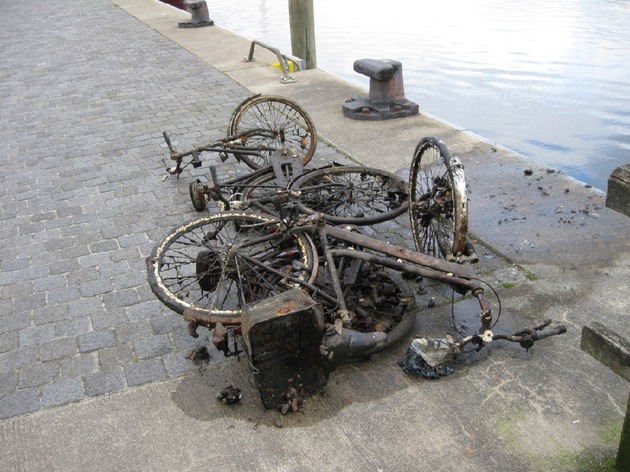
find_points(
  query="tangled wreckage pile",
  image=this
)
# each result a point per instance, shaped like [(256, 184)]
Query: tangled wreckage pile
[(284, 272)]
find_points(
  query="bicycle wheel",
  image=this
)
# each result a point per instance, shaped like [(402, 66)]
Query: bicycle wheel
[(352, 195), (260, 193), (217, 264), (197, 196), (438, 200), (282, 124)]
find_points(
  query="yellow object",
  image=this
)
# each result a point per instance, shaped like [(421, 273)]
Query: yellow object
[(290, 66)]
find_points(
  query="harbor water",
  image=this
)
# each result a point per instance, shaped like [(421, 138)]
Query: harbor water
[(547, 79)]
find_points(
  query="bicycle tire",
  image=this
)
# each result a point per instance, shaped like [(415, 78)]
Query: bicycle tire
[(291, 126), (190, 267), (197, 196), (351, 194), (438, 207)]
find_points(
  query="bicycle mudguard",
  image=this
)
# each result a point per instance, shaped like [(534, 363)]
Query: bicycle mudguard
[(340, 346), (349, 344)]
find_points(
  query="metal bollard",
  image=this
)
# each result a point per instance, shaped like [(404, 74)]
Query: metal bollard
[(199, 12), (387, 92)]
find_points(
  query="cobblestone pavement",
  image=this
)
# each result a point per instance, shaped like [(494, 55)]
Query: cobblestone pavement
[(86, 94), (85, 91)]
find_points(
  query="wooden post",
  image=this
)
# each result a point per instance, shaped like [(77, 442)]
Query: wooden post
[(623, 455), (613, 351), (302, 23)]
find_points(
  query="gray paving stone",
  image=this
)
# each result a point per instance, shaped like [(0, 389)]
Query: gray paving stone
[(18, 358), (152, 346), (109, 319), (184, 341), (146, 311), (58, 349), (130, 280), (64, 295), (8, 383), (104, 245), (79, 276), (114, 268), (132, 240), (145, 294), (131, 332), (117, 356), (62, 392), (14, 264), (19, 289), (72, 327), (101, 383), (85, 307), (96, 287), (63, 267), (15, 322), (125, 254), (94, 260), (8, 341), (78, 365), (59, 223), (145, 371), (74, 252), (19, 403), (70, 210), (36, 334), (167, 323), (95, 340), (31, 302), (51, 314), (37, 374), (6, 306), (120, 298), (46, 284)]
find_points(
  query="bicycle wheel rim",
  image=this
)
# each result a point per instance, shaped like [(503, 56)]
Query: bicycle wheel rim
[(290, 125), (352, 194), (438, 201), (190, 268)]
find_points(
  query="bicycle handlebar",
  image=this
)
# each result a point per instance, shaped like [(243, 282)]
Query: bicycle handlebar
[(525, 338), (232, 144), (430, 357)]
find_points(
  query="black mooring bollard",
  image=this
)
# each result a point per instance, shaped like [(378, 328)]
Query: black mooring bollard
[(387, 92), (199, 12)]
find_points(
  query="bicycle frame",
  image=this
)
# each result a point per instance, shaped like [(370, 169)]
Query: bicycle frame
[(230, 269), (231, 145), (350, 343)]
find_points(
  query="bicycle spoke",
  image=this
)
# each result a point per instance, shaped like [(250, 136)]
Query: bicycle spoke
[(438, 209), (195, 266), (353, 195), (287, 124)]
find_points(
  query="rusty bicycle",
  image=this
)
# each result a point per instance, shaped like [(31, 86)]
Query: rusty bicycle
[(258, 126), (306, 288)]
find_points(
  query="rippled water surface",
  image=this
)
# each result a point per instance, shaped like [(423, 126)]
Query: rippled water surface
[(548, 79)]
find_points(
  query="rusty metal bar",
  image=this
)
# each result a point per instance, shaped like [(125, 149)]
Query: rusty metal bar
[(460, 270)]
